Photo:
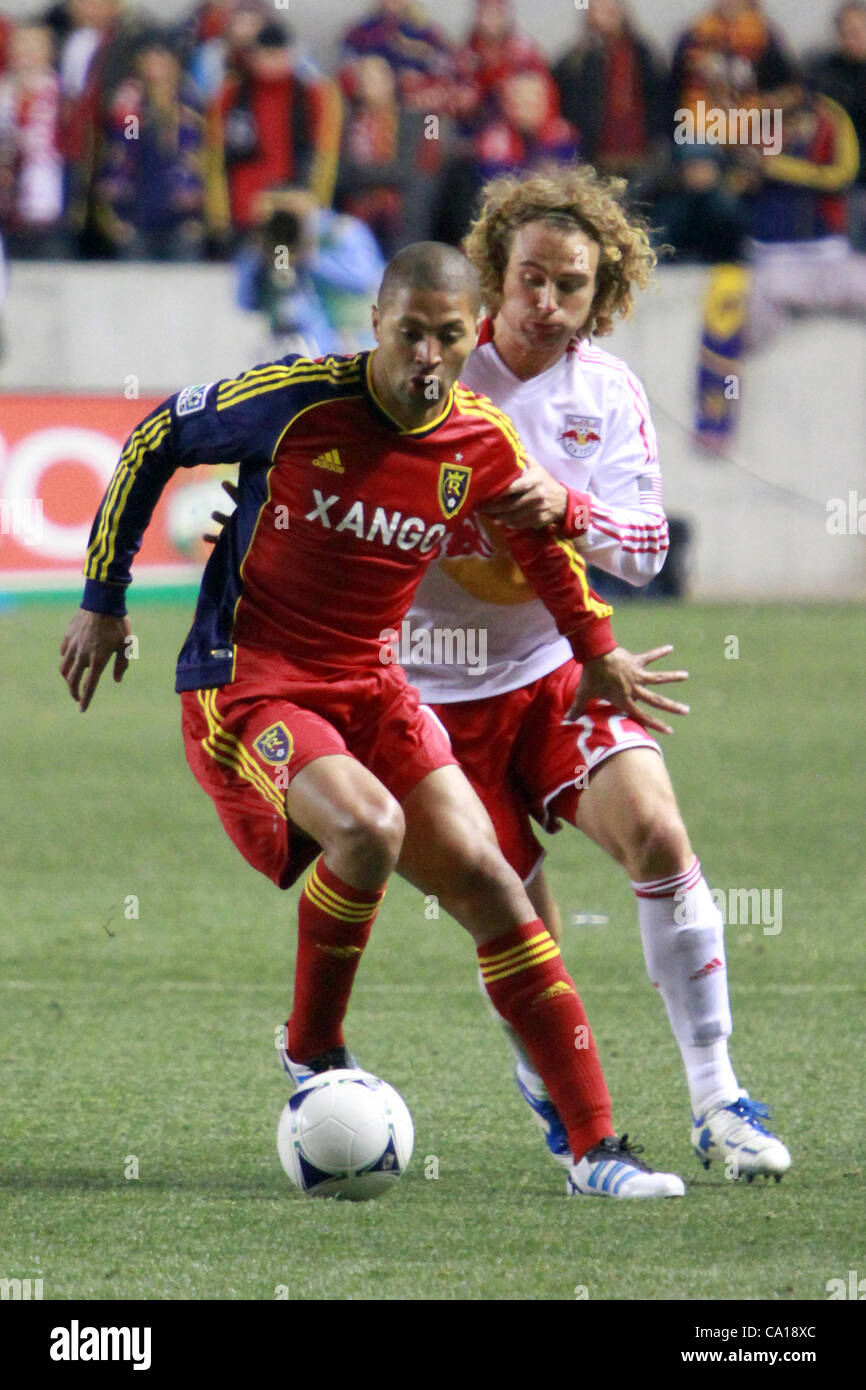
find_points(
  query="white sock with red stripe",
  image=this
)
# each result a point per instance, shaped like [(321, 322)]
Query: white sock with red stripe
[(683, 944)]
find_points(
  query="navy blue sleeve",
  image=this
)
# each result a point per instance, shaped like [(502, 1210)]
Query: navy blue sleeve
[(238, 420)]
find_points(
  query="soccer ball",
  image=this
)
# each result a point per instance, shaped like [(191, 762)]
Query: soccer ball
[(347, 1134)]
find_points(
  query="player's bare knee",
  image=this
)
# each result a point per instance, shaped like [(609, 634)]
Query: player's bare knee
[(370, 835), (659, 844)]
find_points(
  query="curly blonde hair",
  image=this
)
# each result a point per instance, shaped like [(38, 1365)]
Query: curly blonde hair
[(567, 196)]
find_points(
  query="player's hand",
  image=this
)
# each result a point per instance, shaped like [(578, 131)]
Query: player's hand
[(221, 517), (90, 641), (534, 499), (622, 678)]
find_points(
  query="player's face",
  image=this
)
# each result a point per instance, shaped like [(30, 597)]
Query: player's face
[(548, 290), (424, 337)]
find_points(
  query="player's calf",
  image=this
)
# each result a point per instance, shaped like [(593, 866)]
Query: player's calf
[(449, 851), (359, 825), (334, 924)]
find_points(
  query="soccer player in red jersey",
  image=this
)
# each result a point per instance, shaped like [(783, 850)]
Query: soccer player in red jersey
[(353, 472)]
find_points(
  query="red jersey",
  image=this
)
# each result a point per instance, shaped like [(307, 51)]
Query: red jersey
[(340, 510)]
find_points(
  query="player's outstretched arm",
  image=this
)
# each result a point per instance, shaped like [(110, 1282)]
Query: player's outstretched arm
[(557, 572), (89, 643), (558, 575), (238, 419), (622, 678)]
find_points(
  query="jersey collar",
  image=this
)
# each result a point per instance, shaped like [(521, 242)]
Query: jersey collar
[(422, 430), (485, 337)]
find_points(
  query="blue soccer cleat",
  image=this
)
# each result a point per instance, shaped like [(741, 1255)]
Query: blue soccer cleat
[(546, 1116)]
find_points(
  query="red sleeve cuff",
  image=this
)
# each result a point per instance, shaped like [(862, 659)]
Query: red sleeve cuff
[(578, 513), (594, 639)]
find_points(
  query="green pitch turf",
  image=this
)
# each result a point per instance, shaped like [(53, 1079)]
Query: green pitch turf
[(145, 967)]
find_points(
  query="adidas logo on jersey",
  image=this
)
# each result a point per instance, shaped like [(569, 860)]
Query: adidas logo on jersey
[(330, 460), (394, 529)]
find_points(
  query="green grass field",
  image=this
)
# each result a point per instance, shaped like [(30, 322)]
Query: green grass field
[(151, 1038)]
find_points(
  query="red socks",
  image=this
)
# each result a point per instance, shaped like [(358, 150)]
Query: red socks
[(529, 985), (523, 974), (334, 922)]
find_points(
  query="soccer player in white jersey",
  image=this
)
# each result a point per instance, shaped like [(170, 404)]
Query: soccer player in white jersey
[(559, 259)]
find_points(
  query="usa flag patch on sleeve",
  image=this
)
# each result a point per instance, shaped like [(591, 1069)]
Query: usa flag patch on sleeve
[(192, 399), (649, 488)]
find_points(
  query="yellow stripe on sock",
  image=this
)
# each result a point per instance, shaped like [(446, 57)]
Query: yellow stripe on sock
[(502, 956), (334, 904), (341, 913), (536, 957)]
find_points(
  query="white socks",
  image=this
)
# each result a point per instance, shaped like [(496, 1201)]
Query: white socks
[(683, 943)]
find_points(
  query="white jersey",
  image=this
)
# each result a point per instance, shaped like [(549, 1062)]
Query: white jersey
[(587, 421)]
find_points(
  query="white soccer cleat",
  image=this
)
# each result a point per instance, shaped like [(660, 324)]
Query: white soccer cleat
[(612, 1169), (300, 1072), (734, 1134)]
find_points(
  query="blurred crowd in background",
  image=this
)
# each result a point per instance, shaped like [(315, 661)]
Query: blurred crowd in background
[(219, 137)]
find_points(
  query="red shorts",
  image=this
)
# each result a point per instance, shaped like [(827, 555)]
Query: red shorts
[(246, 741), (519, 752)]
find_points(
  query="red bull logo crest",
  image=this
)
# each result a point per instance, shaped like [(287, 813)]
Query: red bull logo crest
[(581, 436)]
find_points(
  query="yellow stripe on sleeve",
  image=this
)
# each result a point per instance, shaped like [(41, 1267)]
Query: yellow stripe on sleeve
[(275, 375), (596, 606), (147, 436)]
